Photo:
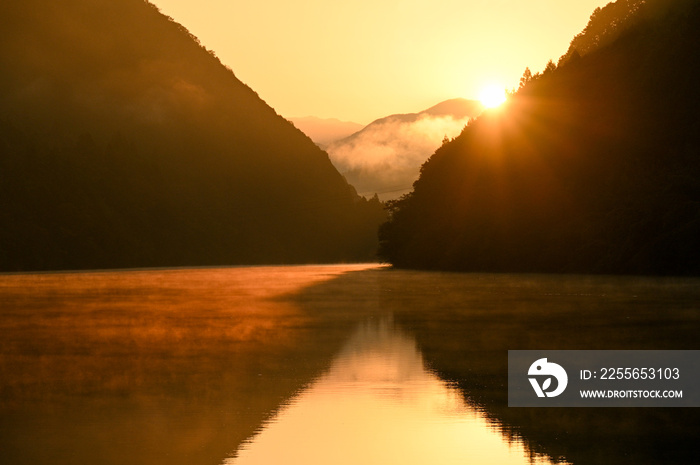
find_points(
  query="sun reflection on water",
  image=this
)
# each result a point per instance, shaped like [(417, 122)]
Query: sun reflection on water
[(379, 404)]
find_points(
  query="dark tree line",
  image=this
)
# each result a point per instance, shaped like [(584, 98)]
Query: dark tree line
[(591, 166)]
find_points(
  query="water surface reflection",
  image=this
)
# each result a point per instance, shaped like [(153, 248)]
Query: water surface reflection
[(184, 366), (149, 367), (379, 404)]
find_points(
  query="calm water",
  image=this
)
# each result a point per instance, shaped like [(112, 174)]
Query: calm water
[(347, 364), (377, 404)]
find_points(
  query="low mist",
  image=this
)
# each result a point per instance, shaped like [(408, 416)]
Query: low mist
[(385, 157)]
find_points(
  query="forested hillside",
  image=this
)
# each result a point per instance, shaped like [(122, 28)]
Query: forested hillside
[(591, 166), (123, 142)]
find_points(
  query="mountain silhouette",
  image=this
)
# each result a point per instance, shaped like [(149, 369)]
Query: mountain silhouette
[(125, 143), (385, 156), (592, 166)]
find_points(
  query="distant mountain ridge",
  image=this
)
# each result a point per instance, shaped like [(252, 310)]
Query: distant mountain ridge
[(324, 131), (124, 143), (457, 109), (385, 156)]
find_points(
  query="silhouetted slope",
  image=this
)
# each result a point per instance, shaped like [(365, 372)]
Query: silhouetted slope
[(591, 167), (123, 142), (385, 156)]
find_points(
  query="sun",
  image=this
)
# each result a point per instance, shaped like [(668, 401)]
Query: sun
[(492, 96)]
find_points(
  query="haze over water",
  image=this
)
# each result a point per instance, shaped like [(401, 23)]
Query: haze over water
[(322, 364)]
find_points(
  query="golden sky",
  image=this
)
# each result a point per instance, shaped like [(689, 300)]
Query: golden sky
[(359, 60)]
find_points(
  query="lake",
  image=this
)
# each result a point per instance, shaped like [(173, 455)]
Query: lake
[(342, 364)]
